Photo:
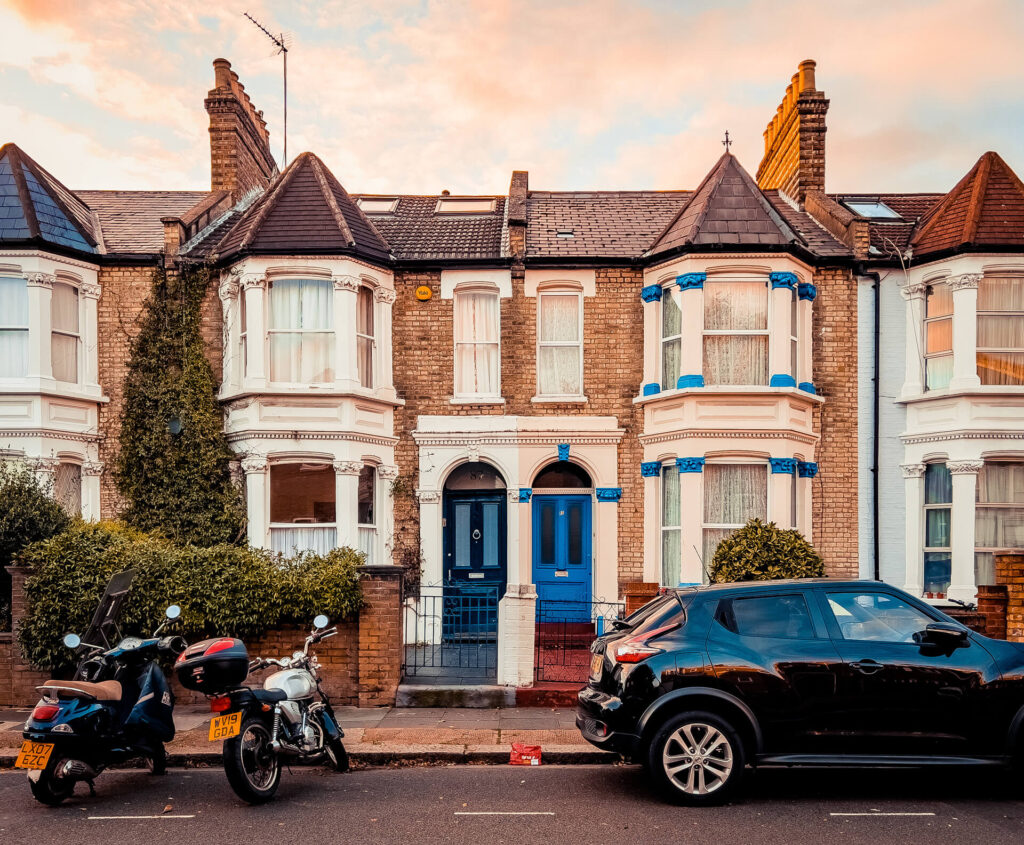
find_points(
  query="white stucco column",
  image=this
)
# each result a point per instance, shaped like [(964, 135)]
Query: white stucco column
[(430, 536), (346, 502), (90, 294), (780, 320), (257, 500), (651, 472), (965, 478), (255, 292), (606, 545), (913, 488), (519, 525), (383, 299), (91, 473), (691, 519), (231, 334), (965, 332), (517, 624), (40, 297), (913, 382), (691, 353), (346, 373), (386, 473), (783, 476)]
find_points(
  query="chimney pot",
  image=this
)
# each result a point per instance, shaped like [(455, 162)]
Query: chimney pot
[(807, 75), (222, 73)]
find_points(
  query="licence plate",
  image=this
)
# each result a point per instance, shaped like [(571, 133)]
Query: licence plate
[(33, 755), (226, 726), (596, 666)]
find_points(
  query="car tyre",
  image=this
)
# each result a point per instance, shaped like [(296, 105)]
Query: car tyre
[(697, 758)]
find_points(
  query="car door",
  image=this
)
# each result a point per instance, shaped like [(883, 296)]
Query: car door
[(902, 696), (773, 651)]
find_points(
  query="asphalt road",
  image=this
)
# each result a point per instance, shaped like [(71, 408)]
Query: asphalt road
[(556, 804)]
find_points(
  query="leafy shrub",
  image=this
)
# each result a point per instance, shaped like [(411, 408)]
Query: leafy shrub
[(223, 590), (29, 513), (763, 552)]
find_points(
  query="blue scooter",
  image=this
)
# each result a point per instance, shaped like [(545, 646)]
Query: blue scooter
[(118, 707)]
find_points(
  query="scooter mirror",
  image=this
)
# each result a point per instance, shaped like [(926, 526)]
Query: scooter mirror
[(72, 640), (173, 612), (320, 621)]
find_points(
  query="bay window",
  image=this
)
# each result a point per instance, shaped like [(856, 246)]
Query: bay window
[(671, 528), (364, 336), (302, 508), (477, 333), (64, 317), (998, 515), (734, 493), (938, 506), (736, 333), (13, 327), (367, 511), (1001, 330), (671, 337), (938, 337), (560, 344), (301, 331)]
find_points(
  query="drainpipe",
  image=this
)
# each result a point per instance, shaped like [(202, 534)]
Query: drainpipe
[(876, 399)]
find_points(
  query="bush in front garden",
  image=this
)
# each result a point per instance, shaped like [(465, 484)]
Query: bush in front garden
[(223, 590), (762, 551)]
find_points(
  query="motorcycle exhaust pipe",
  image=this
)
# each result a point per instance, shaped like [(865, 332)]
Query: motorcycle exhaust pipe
[(78, 770)]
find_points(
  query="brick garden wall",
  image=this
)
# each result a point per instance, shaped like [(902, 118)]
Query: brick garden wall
[(1010, 574)]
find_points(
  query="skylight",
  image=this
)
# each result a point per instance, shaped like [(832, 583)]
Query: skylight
[(464, 205), (873, 208), (378, 205)]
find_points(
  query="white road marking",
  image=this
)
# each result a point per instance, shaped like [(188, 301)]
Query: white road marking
[(11, 726), (109, 818), (876, 813), (504, 813)]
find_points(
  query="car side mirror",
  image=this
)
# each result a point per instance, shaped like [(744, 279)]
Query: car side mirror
[(944, 634)]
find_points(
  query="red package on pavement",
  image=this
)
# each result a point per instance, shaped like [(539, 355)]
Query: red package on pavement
[(524, 755)]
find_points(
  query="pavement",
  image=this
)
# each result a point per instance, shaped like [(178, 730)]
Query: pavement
[(379, 736), (505, 804)]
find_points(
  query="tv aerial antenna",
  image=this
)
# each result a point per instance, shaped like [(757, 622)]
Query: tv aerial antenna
[(280, 43)]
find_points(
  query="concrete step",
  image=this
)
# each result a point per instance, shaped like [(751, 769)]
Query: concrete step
[(455, 695)]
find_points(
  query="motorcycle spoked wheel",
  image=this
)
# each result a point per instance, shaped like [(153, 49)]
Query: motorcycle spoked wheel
[(251, 764), (51, 790), (335, 754)]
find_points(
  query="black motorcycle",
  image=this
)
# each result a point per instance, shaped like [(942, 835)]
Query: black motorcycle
[(118, 707)]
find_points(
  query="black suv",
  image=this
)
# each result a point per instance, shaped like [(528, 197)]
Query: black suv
[(702, 682)]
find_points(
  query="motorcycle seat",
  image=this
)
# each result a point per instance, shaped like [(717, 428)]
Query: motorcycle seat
[(270, 696), (102, 691)]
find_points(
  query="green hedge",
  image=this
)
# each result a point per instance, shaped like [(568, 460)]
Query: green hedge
[(762, 551), (223, 590)]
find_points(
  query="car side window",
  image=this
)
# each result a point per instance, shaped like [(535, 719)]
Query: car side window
[(784, 617), (876, 617)]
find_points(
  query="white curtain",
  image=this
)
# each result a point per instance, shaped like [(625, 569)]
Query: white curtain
[(671, 342), (289, 541), (302, 336), (476, 344), (364, 336), (1001, 328), (733, 358), (671, 539), (64, 337), (733, 494), (999, 517), (13, 327), (560, 345)]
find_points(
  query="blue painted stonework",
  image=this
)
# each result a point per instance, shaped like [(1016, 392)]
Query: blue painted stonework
[(782, 380), (783, 280), (690, 464), (651, 388), (650, 469), (805, 290), (806, 469), (651, 293), (563, 451), (525, 493), (690, 381), (783, 465), (807, 387), (608, 494), (691, 281)]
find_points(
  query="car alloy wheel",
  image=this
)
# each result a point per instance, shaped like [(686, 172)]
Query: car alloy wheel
[(697, 758)]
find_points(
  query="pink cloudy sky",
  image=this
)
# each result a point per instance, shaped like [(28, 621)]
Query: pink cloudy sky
[(421, 96)]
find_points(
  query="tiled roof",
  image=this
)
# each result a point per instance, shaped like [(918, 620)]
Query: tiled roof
[(887, 235), (416, 232), (817, 239), (130, 220), (35, 207), (727, 209), (305, 209), (985, 208), (597, 224)]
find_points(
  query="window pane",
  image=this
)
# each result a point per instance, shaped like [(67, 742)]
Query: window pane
[(476, 317), (575, 529), (364, 360), (1001, 294), (13, 302), (547, 533), (364, 311), (876, 617), (939, 336), (735, 305), (936, 534), (560, 370), (302, 357), (671, 352), (301, 493), (1001, 482), (462, 529), (939, 301), (64, 357), (13, 353), (669, 496), (559, 317), (1001, 332), (984, 568), (737, 359), (784, 617), (301, 305), (1001, 368), (999, 528), (64, 308), (938, 372), (490, 513), (735, 493), (712, 537), (367, 495), (671, 557), (67, 487), (938, 485), (476, 369), (938, 569), (671, 312)]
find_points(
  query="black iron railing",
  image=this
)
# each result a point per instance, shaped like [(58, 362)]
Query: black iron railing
[(451, 633), (565, 630)]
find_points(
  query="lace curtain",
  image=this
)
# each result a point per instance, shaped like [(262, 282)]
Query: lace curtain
[(999, 514), (733, 494), (301, 331), (731, 358), (671, 539), (476, 344), (13, 327), (1001, 330), (560, 345), (64, 336), (364, 336)]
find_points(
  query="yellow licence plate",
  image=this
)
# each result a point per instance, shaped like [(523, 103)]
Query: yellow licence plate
[(33, 755), (596, 665), (226, 726)]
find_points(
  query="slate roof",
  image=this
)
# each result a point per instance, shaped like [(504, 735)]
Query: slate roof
[(416, 232), (305, 210), (36, 208), (984, 209), (727, 209), (130, 220), (817, 239)]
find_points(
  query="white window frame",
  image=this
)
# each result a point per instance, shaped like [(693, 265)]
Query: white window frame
[(926, 321), (926, 507), (558, 291), (667, 290), (765, 332), (331, 332), (65, 333), (372, 338), (290, 525), (14, 327), (462, 290)]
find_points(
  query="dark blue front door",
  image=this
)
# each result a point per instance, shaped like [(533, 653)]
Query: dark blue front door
[(475, 541), (561, 553)]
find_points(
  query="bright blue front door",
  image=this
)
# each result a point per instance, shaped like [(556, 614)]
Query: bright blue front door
[(561, 553)]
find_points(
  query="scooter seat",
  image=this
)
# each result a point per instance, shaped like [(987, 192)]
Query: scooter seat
[(102, 691), (270, 696)]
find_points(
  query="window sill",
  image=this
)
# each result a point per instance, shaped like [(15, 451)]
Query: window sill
[(476, 400), (730, 390), (982, 390), (561, 400)]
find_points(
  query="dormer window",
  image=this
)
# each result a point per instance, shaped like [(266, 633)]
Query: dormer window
[(465, 205), (13, 327), (378, 205)]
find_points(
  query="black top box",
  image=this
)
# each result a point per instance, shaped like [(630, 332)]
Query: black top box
[(213, 666)]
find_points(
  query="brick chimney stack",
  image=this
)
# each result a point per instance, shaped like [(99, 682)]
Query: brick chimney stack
[(518, 191), (794, 141), (240, 157)]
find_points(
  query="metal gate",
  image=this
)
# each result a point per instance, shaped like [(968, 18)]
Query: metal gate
[(451, 633), (565, 631)]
